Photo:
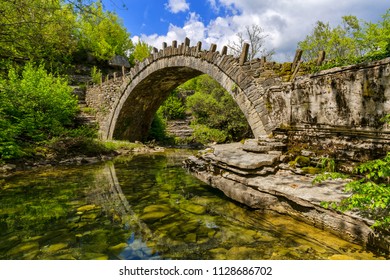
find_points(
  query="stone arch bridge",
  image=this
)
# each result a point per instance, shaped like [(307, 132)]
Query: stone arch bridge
[(342, 106), (126, 105)]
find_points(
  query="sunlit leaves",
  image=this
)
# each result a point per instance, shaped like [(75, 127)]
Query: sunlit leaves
[(102, 33), (352, 41), (34, 107)]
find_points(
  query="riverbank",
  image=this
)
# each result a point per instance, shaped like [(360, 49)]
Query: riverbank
[(261, 180), (75, 153)]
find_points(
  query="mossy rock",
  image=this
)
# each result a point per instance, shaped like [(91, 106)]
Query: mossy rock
[(311, 170), (300, 161), (285, 69), (86, 208)]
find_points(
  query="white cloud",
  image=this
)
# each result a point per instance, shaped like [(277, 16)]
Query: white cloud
[(286, 22), (176, 6)]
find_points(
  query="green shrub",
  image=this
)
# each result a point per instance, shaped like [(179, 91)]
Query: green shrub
[(204, 135), (370, 190), (173, 108), (96, 75), (34, 106), (158, 128)]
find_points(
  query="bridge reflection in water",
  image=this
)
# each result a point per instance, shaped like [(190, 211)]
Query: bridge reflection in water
[(177, 217)]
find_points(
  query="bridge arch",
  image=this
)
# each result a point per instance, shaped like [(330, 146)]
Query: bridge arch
[(150, 82)]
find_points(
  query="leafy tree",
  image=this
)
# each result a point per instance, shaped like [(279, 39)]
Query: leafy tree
[(102, 33), (35, 106), (212, 106), (36, 30), (141, 51), (173, 107), (352, 41)]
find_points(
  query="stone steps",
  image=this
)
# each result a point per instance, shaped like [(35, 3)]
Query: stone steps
[(180, 128)]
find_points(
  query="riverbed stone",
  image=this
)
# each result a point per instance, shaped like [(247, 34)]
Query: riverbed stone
[(24, 248), (86, 208), (218, 253), (194, 209), (116, 249), (155, 212), (190, 238), (234, 155), (242, 253), (54, 248)]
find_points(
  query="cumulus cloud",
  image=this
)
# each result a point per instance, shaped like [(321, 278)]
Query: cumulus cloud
[(285, 22), (176, 6)]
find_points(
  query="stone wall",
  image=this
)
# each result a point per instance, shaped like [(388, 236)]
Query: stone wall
[(338, 110)]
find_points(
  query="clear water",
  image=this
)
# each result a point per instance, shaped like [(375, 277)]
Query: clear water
[(146, 207)]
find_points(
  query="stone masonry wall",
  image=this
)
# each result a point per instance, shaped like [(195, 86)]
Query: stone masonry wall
[(339, 108)]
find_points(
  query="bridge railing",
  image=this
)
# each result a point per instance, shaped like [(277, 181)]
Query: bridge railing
[(253, 67)]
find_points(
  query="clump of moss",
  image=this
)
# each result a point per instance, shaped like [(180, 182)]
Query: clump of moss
[(300, 161), (311, 170)]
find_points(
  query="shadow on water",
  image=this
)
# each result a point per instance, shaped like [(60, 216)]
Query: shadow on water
[(146, 207)]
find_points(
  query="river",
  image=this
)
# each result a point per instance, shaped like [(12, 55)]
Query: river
[(146, 207)]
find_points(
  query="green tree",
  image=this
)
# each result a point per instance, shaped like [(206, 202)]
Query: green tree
[(141, 51), (213, 107), (102, 33), (34, 107), (173, 107), (36, 30), (352, 41)]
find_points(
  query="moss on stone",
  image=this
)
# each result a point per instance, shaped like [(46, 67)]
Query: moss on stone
[(311, 170), (300, 161)]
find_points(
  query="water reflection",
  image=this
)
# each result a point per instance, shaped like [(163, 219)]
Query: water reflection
[(146, 207)]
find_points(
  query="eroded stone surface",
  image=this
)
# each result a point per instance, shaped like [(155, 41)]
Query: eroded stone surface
[(281, 190), (234, 155)]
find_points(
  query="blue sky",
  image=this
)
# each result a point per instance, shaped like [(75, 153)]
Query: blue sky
[(285, 22)]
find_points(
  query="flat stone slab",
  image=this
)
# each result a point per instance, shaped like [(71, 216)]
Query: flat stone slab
[(233, 155), (290, 184)]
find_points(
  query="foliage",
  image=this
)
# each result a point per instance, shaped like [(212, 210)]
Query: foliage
[(204, 134), (371, 194), (351, 42), (328, 164), (141, 51), (213, 106), (370, 190), (37, 30), (329, 175), (96, 75), (158, 128), (102, 33), (114, 145), (173, 107), (34, 107)]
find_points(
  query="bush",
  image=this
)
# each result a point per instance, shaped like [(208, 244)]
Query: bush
[(370, 190), (158, 129), (204, 135), (96, 75), (218, 110), (173, 108), (34, 107)]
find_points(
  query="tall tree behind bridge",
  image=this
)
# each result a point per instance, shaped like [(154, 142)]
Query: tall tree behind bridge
[(254, 35), (352, 41)]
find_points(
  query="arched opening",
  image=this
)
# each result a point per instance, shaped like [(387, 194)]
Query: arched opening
[(200, 111), (137, 112), (132, 114)]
